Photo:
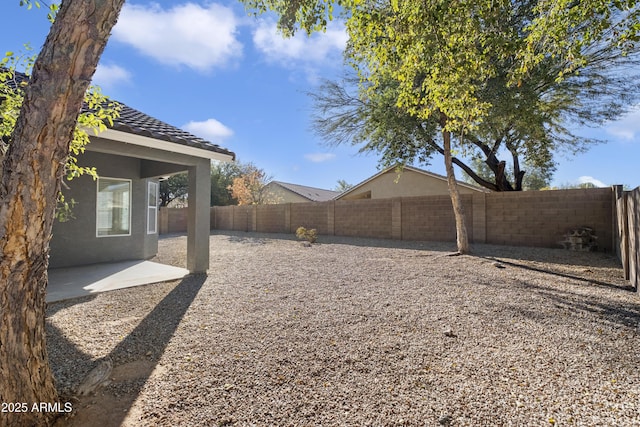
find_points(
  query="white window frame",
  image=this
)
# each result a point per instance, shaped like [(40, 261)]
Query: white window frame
[(152, 207), (104, 178)]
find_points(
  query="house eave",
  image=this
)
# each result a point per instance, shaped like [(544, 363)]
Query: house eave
[(158, 144)]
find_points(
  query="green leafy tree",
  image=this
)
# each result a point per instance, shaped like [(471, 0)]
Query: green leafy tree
[(98, 112), (530, 122), (448, 70), (32, 170), (222, 176), (343, 186), (173, 188), (250, 187)]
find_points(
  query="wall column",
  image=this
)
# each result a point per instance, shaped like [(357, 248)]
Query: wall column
[(479, 210), (198, 216), (396, 218)]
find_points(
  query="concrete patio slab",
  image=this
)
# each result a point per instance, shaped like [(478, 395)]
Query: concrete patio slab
[(65, 283)]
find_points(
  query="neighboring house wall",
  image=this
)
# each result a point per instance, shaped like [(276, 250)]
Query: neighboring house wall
[(75, 243), (277, 194), (408, 184)]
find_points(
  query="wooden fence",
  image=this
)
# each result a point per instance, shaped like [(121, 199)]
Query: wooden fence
[(628, 233)]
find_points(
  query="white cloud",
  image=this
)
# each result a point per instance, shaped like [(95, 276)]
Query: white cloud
[(300, 49), (211, 130), (627, 127), (109, 75), (319, 157), (199, 37), (591, 180)]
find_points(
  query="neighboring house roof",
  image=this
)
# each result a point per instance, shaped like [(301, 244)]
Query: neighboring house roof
[(138, 123), (311, 193), (408, 168)]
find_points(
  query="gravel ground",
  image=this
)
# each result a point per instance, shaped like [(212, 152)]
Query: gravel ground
[(358, 332)]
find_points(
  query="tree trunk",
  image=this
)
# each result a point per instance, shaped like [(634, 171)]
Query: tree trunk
[(31, 174), (458, 211)]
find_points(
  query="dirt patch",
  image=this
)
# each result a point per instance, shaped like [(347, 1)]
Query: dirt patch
[(113, 402)]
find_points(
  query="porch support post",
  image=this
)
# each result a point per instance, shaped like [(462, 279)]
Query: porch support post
[(198, 216)]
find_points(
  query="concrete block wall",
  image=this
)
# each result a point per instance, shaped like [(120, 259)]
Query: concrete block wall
[(534, 218), (312, 215), (271, 218), (363, 218), (541, 218), (431, 218)]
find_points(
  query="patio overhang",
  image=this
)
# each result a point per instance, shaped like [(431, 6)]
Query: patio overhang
[(159, 161)]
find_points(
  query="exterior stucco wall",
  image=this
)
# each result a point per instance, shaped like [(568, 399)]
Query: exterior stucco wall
[(75, 243), (408, 184), (277, 194)]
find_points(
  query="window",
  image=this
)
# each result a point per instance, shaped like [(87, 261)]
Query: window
[(113, 212), (152, 208)]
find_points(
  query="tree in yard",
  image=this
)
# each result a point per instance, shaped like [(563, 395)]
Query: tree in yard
[(222, 176), (434, 58), (526, 125), (250, 187), (173, 188), (32, 169), (433, 74)]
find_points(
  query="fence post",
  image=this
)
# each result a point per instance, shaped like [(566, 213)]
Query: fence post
[(396, 218), (633, 222), (621, 224), (164, 220), (252, 218), (331, 218), (287, 218), (479, 212)]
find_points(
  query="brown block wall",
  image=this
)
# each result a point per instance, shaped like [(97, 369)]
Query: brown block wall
[(431, 218), (271, 218), (541, 218), (533, 218), (363, 218), (311, 215)]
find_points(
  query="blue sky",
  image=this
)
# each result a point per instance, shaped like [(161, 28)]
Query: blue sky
[(209, 68)]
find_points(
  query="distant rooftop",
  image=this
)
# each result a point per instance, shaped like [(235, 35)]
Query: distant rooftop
[(311, 193)]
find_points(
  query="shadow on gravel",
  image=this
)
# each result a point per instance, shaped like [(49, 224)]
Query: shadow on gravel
[(134, 358), (605, 310), (586, 280)]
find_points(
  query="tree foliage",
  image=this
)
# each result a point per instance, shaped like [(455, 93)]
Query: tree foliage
[(343, 186), (176, 187), (525, 124), (222, 176), (97, 113), (250, 187)]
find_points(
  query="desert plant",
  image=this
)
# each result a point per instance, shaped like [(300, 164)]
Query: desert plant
[(309, 235)]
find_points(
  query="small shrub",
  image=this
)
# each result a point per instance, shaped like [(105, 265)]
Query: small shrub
[(309, 235)]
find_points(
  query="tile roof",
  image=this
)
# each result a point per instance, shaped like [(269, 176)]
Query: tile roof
[(138, 123), (311, 193)]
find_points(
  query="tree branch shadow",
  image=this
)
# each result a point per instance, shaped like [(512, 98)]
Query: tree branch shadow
[(134, 358)]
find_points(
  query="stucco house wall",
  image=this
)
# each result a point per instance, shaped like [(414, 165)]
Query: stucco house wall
[(411, 182), (277, 194), (74, 242)]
